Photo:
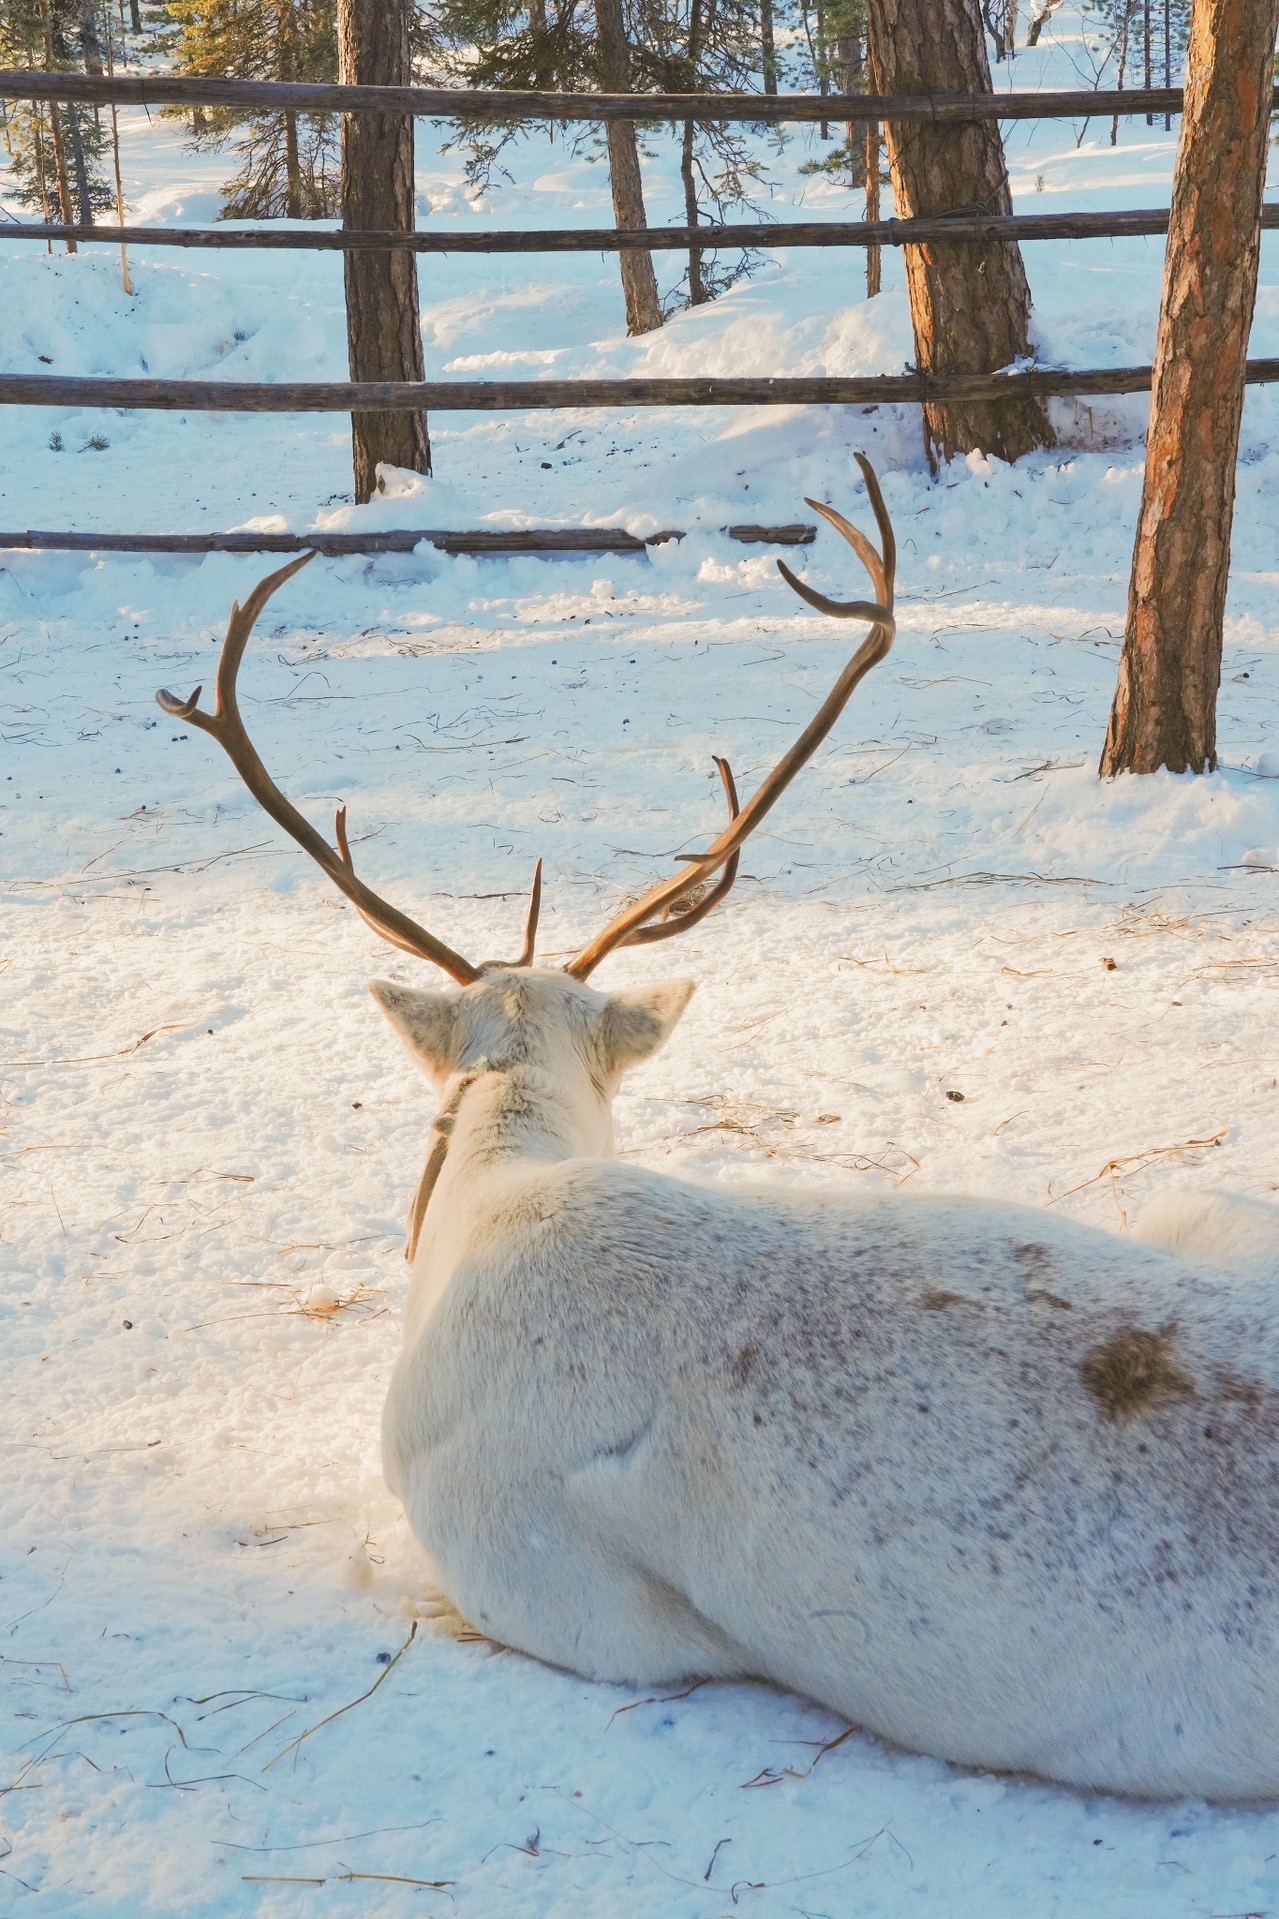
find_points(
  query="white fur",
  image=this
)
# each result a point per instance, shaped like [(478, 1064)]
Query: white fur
[(879, 1449), (1219, 1227)]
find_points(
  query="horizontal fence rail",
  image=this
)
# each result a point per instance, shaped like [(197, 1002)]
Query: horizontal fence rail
[(532, 539), (941, 229), (502, 396), (499, 104)]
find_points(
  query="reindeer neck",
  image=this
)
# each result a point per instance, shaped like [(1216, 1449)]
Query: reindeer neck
[(493, 1118)]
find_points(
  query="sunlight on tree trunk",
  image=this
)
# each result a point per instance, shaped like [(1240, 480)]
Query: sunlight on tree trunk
[(874, 269), (639, 282), (384, 337), (969, 305), (1165, 710)]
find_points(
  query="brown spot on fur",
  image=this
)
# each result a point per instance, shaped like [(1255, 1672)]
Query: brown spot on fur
[(937, 1302), (1039, 1265), (744, 1365), (1135, 1372)]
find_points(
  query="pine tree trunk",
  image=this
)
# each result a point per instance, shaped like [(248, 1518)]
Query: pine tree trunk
[(81, 166), (969, 305), (384, 338), (768, 45), (874, 269), (1149, 49), (41, 175), (292, 169), (543, 72), (852, 66), (135, 16), (1123, 66), (1165, 710), (66, 214), (697, 294), (55, 128), (286, 17), (639, 282), (87, 32)]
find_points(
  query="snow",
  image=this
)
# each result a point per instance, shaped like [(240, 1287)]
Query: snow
[(211, 1137)]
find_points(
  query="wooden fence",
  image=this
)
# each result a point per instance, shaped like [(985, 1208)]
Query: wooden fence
[(940, 230), (479, 103), (528, 395)]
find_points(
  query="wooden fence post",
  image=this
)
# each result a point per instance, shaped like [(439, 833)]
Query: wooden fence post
[(1165, 710), (384, 339)]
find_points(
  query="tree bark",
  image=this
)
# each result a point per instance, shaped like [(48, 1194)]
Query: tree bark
[(1123, 66), (852, 67), (697, 293), (287, 19), (1165, 710), (969, 305), (874, 270), (768, 45), (639, 282), (543, 71), (83, 194), (384, 338), (87, 32)]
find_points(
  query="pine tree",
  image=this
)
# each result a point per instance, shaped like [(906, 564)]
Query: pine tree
[(57, 151), (288, 162), (672, 46), (705, 46), (838, 53)]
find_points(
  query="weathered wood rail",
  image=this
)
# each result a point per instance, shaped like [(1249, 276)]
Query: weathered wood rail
[(512, 396), (219, 396), (478, 103), (942, 229), (533, 539)]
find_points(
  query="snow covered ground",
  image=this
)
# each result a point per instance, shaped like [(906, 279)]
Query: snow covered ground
[(210, 1137)]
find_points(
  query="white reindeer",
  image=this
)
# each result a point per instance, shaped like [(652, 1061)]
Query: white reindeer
[(995, 1486)]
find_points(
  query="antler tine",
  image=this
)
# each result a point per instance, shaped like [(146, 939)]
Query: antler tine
[(240, 626), (881, 567), (534, 914), (375, 926), (677, 922), (888, 539), (873, 648), (530, 929), (226, 726)]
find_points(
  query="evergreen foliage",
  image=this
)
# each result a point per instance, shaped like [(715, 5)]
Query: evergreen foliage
[(57, 152), (676, 46), (836, 39), (289, 163)]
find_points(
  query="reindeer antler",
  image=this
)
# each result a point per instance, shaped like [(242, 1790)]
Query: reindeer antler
[(673, 905), (629, 928), (226, 726)]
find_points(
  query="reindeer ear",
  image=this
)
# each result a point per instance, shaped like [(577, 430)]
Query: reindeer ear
[(638, 1024), (426, 1022)]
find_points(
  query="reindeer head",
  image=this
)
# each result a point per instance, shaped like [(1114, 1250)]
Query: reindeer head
[(558, 1038), (551, 1019)]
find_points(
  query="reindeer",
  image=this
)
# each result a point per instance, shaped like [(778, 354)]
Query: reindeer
[(990, 1484)]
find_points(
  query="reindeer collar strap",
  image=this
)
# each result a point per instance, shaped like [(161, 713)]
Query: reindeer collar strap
[(442, 1126), (674, 904)]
